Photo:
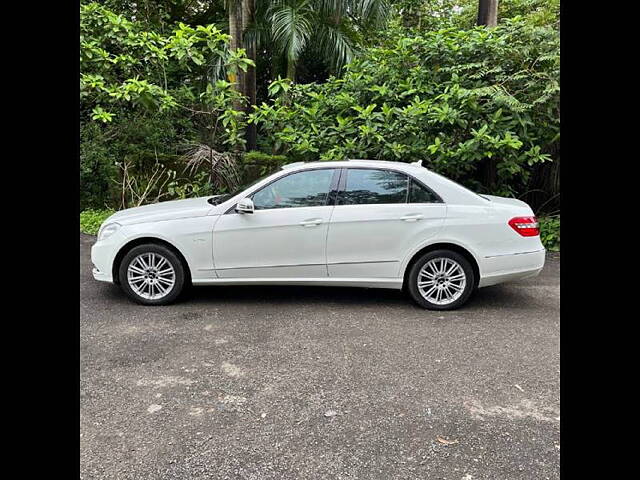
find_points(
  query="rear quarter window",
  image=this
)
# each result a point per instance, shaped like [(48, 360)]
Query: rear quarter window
[(418, 193)]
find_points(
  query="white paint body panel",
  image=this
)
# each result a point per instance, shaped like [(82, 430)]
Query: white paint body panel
[(372, 240), (285, 242), (348, 245)]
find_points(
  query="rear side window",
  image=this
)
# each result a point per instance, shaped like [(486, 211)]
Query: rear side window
[(371, 186), (420, 194)]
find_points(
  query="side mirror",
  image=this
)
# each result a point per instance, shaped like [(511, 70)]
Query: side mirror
[(245, 206)]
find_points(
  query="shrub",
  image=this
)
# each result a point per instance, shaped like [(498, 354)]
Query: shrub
[(90, 220), (97, 170), (550, 232), (145, 145), (254, 165)]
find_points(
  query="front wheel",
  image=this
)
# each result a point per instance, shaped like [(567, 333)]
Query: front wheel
[(441, 280), (152, 274)]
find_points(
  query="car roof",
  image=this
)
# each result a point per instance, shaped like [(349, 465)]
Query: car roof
[(450, 191), (355, 163)]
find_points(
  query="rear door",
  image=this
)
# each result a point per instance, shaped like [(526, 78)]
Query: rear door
[(380, 215)]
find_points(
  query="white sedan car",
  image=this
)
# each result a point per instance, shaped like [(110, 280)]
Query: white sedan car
[(355, 223)]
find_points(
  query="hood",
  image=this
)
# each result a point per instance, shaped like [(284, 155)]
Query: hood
[(510, 202), (189, 208)]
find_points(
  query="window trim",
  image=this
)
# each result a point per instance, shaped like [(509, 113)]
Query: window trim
[(343, 183), (332, 187)]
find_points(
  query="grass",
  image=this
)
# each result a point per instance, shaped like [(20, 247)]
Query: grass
[(90, 220)]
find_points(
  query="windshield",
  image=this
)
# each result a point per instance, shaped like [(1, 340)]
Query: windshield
[(218, 199)]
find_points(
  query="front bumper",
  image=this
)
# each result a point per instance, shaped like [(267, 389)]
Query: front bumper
[(102, 256), (506, 268), (102, 276)]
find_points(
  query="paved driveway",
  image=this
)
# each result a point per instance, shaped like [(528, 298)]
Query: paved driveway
[(301, 382)]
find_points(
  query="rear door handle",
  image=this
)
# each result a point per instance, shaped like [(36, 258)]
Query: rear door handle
[(414, 217), (311, 223)]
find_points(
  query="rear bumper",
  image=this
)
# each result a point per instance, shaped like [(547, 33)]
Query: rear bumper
[(506, 268)]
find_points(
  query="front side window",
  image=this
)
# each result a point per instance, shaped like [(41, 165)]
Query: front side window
[(303, 189), (371, 186)]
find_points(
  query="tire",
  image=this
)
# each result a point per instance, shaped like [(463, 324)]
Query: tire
[(461, 276), (151, 286)]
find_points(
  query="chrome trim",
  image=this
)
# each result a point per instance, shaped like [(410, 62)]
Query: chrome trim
[(300, 265), (519, 253)]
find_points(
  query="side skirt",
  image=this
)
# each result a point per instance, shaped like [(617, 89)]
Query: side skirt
[(392, 283)]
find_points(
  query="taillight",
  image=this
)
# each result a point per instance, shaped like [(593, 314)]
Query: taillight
[(525, 226)]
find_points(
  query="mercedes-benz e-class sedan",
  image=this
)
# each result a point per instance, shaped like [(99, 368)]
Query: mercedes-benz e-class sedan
[(355, 223)]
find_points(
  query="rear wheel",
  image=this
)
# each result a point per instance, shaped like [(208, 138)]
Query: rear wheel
[(152, 274), (441, 280)]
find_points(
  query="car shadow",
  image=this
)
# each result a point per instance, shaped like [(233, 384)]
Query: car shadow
[(498, 296), (494, 297), (283, 294)]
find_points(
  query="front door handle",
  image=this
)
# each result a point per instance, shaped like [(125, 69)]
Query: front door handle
[(414, 217), (311, 223)]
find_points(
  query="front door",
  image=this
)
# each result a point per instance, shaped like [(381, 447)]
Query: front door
[(286, 235)]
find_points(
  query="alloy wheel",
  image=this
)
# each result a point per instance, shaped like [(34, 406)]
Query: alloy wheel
[(151, 276), (441, 281)]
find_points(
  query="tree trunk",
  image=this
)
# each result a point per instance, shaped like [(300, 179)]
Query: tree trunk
[(235, 32), (488, 13), (248, 17), (291, 70), (488, 16)]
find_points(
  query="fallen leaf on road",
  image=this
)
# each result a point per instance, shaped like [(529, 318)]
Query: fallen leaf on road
[(444, 441)]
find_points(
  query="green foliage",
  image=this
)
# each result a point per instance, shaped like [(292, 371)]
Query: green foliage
[(126, 68), (156, 80), (90, 220), (332, 30), (427, 15), (454, 98), (97, 169), (149, 92), (259, 157), (550, 232), (198, 185), (138, 141), (256, 164)]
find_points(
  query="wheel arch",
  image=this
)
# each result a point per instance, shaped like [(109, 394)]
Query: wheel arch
[(444, 246), (141, 241)]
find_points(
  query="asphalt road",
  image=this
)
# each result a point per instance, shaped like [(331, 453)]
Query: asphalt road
[(320, 383)]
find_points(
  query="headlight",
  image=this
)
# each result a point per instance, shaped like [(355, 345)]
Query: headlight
[(107, 230)]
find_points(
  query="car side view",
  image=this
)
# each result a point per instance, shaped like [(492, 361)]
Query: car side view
[(354, 223)]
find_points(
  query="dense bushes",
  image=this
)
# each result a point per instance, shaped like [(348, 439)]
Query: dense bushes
[(97, 169), (139, 145), (147, 98), (472, 103)]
